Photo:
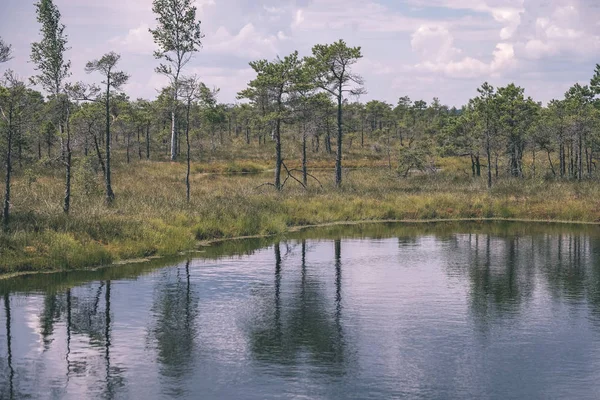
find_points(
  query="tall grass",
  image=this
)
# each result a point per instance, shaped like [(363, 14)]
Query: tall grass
[(151, 216)]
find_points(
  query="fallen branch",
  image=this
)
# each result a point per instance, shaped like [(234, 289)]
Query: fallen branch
[(307, 174), (290, 175), (264, 184)]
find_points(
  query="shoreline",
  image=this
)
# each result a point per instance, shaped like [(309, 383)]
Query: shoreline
[(295, 229)]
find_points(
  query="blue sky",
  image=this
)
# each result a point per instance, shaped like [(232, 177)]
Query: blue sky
[(419, 48)]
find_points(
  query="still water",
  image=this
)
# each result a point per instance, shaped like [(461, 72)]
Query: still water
[(423, 312)]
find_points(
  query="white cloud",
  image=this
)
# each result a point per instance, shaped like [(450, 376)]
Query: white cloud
[(201, 4), (155, 83), (229, 80), (539, 28), (468, 67), (138, 40), (363, 16), (444, 46), (434, 43), (510, 18), (504, 58), (298, 18), (435, 47), (559, 27), (369, 66), (506, 12), (248, 42), (274, 10)]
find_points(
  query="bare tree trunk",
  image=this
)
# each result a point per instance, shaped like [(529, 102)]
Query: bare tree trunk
[(86, 144), (173, 133), (148, 142), (110, 195), (20, 144), (561, 157), (6, 209), (362, 134), (304, 161), (488, 154), (580, 160), (139, 142), (570, 155), (587, 161), (513, 167), (551, 165), (496, 165), (187, 141), (574, 159), (278, 160), (68, 158), (49, 145), (338, 159), (100, 159)]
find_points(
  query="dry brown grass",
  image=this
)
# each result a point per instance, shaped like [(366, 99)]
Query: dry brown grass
[(151, 215)]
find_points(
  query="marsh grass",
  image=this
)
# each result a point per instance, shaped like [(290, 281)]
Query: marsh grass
[(151, 217)]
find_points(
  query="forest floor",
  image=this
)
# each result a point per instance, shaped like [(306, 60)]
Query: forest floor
[(150, 216)]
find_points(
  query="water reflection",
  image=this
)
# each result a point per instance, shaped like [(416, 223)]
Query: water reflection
[(503, 272), (499, 283), (173, 332), (83, 315), (11, 370), (484, 311), (304, 325)]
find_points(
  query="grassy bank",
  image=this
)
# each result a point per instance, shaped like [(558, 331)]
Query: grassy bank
[(151, 217)]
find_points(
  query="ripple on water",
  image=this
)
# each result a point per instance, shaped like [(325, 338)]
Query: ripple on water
[(448, 316)]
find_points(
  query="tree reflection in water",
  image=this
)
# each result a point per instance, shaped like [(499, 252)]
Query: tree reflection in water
[(7, 391), (302, 326), (174, 331), (301, 320), (86, 317), (503, 272)]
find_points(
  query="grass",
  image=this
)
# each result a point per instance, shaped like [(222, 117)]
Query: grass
[(233, 167), (152, 218)]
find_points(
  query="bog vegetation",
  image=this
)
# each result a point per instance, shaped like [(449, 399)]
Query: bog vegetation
[(92, 176)]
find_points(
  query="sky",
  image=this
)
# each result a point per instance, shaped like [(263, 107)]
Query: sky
[(419, 48)]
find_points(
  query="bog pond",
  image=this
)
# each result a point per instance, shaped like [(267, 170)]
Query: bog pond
[(446, 311)]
